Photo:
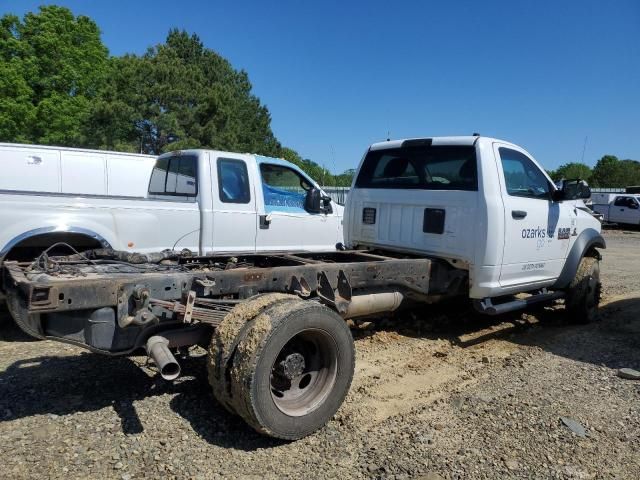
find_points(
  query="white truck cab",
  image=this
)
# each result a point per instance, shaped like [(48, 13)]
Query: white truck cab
[(480, 203)]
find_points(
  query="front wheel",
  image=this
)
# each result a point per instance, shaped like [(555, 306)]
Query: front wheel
[(583, 294), (292, 369)]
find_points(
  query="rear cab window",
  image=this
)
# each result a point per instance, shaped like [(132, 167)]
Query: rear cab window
[(428, 167), (175, 176)]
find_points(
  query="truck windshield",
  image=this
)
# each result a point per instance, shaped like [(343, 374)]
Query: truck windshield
[(440, 167)]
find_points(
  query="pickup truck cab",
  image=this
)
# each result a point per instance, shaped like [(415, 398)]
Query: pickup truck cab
[(623, 208), (482, 204), (205, 201)]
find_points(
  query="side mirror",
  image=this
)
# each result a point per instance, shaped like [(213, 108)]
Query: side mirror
[(572, 190), (313, 201), (316, 202)]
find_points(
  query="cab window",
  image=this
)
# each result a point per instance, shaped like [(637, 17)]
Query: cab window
[(629, 202), (522, 177), (283, 188), (175, 176), (427, 167)]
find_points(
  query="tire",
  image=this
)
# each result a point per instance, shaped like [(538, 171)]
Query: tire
[(226, 338), (292, 369), (25, 321), (583, 294)]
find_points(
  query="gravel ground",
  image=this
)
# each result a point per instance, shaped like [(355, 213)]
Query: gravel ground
[(434, 396)]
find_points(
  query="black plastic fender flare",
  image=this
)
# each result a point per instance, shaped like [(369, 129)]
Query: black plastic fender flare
[(587, 240)]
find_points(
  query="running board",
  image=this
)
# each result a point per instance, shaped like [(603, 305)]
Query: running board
[(487, 307)]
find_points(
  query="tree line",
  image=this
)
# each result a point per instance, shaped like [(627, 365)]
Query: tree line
[(60, 86), (609, 171)]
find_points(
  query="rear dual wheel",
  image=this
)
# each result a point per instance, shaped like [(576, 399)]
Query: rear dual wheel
[(290, 370)]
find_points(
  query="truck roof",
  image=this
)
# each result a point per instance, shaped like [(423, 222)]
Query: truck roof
[(72, 149), (448, 140)]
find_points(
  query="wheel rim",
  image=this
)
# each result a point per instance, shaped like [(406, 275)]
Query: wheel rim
[(304, 372)]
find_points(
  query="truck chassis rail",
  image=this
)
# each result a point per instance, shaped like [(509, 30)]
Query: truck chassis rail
[(112, 302)]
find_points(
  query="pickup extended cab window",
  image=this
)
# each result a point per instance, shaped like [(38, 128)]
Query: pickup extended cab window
[(284, 189), (440, 167), (629, 202), (522, 177), (233, 181), (175, 176)]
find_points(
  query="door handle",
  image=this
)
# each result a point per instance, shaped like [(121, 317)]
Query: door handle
[(518, 214), (265, 221)]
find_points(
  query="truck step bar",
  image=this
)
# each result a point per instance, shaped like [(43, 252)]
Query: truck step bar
[(487, 306)]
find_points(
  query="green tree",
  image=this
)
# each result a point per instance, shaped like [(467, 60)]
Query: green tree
[(572, 171), (59, 86), (345, 178), (52, 67), (180, 95), (612, 172)]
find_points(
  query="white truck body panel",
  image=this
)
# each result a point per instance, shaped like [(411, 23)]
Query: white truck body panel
[(202, 223), (43, 169), (510, 242)]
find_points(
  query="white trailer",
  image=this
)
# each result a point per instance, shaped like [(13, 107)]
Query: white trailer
[(38, 169)]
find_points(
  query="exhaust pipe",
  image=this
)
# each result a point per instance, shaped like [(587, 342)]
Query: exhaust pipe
[(373, 303), (158, 349)]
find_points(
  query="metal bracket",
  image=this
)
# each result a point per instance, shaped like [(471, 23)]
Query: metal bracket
[(340, 297), (299, 287), (207, 285), (188, 308), (142, 315)]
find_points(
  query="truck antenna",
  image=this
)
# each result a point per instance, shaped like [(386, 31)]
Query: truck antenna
[(584, 148)]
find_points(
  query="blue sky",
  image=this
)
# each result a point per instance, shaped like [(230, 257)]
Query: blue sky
[(338, 76)]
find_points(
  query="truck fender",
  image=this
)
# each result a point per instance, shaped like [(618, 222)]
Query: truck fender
[(39, 231), (587, 240)]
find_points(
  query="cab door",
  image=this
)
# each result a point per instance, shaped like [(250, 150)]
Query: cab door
[(234, 205), (283, 222), (537, 230)]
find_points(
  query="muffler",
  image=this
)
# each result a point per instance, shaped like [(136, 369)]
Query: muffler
[(158, 350), (373, 303)]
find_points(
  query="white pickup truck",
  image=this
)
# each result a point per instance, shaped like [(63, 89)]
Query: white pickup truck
[(427, 219), (622, 208), (202, 200)]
